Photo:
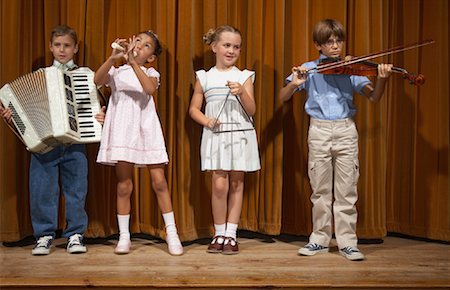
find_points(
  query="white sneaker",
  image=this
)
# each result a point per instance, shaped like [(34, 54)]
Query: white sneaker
[(43, 245), (123, 247), (75, 244), (352, 253), (311, 249), (174, 244)]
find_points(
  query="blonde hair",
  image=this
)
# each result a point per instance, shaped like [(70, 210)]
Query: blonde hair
[(214, 34)]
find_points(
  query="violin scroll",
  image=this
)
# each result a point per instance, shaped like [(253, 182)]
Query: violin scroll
[(415, 80)]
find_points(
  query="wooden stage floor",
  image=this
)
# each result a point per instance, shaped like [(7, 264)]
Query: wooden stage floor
[(264, 262)]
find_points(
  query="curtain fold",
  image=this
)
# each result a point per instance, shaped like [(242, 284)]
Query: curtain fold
[(404, 183)]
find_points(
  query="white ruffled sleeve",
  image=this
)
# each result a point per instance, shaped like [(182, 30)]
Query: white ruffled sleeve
[(151, 72), (201, 76), (245, 75)]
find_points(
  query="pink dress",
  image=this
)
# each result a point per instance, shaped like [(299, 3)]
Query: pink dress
[(132, 129)]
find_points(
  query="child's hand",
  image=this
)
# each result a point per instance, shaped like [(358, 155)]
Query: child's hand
[(119, 48), (6, 114), (299, 74), (213, 124), (235, 88), (384, 70), (131, 54), (100, 116)]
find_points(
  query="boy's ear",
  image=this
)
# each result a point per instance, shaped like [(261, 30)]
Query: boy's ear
[(318, 46), (76, 48)]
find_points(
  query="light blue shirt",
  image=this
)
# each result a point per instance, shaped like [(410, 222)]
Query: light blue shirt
[(330, 97)]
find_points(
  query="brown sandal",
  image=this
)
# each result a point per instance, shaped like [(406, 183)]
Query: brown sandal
[(230, 246), (215, 246)]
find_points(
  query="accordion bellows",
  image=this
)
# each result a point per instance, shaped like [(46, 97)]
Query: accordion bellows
[(52, 107)]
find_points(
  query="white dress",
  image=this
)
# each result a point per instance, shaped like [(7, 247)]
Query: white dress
[(237, 150), (132, 129)]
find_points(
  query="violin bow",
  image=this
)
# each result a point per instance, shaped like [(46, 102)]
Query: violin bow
[(389, 51)]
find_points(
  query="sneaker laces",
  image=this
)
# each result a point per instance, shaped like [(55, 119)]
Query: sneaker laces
[(313, 246), (43, 241), (75, 240), (350, 250)]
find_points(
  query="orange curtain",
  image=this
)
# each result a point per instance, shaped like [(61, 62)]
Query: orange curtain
[(404, 183)]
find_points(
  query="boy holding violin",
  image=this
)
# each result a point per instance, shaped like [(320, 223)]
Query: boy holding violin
[(333, 165)]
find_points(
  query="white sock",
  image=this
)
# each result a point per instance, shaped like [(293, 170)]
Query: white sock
[(124, 226), (169, 221), (219, 230), (231, 230)]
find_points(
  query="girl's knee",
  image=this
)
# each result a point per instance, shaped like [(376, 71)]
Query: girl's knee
[(159, 185), (124, 188)]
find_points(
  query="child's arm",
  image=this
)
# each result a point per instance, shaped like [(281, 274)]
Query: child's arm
[(149, 84), (299, 75), (196, 106), (245, 92), (384, 71), (101, 76)]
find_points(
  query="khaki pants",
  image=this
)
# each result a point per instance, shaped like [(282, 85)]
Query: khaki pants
[(333, 170)]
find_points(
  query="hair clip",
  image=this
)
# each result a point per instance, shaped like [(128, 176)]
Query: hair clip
[(154, 34)]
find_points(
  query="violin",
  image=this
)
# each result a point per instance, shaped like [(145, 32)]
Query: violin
[(366, 68), (362, 67)]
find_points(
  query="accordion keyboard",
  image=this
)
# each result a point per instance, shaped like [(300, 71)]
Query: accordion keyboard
[(85, 94)]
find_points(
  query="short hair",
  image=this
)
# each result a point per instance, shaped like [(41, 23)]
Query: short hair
[(214, 34), (154, 37), (62, 30), (325, 28)]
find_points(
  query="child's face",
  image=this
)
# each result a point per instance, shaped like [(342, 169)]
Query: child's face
[(63, 48), (227, 49), (144, 49), (331, 48)]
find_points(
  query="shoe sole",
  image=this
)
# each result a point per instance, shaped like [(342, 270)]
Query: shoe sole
[(312, 253), (348, 257), (214, 251), (121, 253), (40, 253), (77, 250), (230, 252), (176, 254)]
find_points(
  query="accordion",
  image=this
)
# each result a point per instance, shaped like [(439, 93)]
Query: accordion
[(52, 107)]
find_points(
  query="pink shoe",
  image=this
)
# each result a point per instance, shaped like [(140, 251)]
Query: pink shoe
[(123, 247), (174, 245)]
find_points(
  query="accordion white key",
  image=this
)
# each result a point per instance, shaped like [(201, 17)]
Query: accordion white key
[(52, 107)]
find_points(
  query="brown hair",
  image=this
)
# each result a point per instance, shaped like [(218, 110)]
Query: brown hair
[(325, 28), (154, 37), (62, 30), (214, 34)]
